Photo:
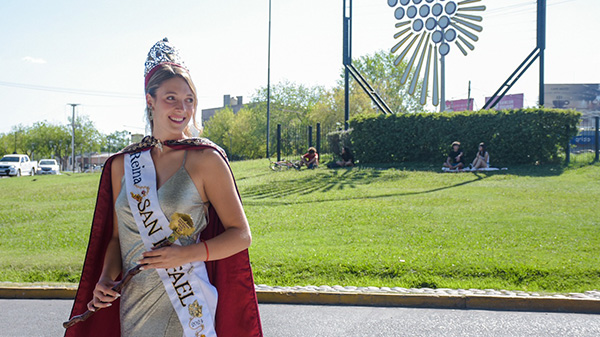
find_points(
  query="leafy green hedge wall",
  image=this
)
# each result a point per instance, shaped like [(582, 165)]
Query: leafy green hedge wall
[(338, 139), (512, 136)]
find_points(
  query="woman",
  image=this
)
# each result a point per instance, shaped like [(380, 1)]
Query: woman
[(481, 159), (189, 180)]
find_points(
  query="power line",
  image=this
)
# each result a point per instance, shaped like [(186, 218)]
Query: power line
[(72, 91)]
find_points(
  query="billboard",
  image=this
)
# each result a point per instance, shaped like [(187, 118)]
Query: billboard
[(581, 97), (460, 105), (509, 102)]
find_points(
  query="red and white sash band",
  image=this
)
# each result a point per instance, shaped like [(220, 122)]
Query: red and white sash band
[(191, 294)]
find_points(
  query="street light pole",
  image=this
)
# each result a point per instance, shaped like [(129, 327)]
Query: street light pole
[(269, 82), (347, 58), (541, 43), (73, 105)]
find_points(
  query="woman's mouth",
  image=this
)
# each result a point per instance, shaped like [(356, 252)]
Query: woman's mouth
[(177, 120)]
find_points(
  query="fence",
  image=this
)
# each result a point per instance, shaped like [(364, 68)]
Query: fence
[(585, 148), (294, 141)]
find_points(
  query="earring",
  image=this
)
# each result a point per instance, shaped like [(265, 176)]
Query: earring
[(150, 113)]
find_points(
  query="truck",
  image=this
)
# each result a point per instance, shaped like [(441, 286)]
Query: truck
[(16, 165)]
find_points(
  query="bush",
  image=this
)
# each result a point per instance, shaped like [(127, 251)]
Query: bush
[(522, 136), (338, 139)]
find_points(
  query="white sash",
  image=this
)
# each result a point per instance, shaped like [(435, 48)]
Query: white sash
[(188, 287)]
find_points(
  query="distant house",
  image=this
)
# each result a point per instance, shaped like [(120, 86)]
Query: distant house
[(235, 103)]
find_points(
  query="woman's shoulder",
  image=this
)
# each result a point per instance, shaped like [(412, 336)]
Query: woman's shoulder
[(206, 157), (116, 165)]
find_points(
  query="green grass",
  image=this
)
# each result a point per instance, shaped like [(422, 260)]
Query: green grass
[(529, 228), (44, 226)]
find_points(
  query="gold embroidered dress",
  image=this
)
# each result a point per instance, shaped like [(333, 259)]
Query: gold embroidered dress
[(145, 308)]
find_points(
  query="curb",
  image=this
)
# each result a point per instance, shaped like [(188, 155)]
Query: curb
[(471, 301), (480, 302)]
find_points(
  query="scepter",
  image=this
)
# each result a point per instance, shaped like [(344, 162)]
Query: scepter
[(181, 224)]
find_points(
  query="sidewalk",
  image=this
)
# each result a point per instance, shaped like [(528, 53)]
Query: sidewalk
[(588, 302)]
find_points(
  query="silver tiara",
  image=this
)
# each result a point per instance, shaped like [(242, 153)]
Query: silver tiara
[(162, 52)]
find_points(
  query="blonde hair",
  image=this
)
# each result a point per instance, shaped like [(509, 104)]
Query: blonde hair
[(165, 73)]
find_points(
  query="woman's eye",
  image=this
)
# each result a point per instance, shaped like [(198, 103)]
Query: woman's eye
[(170, 98), (190, 100)]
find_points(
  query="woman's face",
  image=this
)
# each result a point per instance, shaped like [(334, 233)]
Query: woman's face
[(480, 148), (172, 108)]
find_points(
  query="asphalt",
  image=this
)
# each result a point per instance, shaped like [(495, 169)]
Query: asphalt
[(43, 318), (576, 303)]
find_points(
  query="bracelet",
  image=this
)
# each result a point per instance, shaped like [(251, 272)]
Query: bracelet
[(206, 246)]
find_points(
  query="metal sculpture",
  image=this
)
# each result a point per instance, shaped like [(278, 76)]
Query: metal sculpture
[(427, 28)]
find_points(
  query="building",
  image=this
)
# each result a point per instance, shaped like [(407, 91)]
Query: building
[(235, 103)]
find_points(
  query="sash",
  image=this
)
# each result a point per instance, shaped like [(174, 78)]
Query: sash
[(192, 296)]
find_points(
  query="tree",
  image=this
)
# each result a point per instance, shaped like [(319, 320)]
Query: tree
[(379, 70), (116, 141), (247, 134), (296, 106), (290, 95), (87, 138), (218, 128), (13, 141), (291, 106), (5, 144)]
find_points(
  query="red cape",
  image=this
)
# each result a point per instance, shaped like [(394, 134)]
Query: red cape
[(237, 307)]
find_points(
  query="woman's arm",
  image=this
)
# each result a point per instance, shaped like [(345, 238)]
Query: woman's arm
[(219, 188), (213, 179), (103, 294)]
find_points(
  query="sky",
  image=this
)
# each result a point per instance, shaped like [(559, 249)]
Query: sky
[(92, 53)]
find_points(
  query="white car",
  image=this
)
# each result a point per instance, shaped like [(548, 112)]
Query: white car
[(17, 165), (48, 166)]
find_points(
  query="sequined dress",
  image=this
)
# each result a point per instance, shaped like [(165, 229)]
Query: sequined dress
[(145, 307)]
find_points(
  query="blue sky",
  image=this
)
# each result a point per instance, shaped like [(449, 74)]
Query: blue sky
[(53, 51)]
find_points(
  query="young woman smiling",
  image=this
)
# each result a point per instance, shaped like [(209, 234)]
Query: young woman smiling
[(201, 284)]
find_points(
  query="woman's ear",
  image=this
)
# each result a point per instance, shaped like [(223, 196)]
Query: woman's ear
[(149, 100)]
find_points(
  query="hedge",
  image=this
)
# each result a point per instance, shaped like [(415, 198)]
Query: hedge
[(522, 136), (337, 140)]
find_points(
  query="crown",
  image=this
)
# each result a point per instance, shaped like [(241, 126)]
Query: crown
[(163, 52)]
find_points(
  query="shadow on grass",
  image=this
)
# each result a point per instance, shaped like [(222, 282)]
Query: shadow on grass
[(242, 177), (543, 170), (322, 181), (334, 179)]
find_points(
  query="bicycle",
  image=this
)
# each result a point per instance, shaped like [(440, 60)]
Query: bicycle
[(285, 165)]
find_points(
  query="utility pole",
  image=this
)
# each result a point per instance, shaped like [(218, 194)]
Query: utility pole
[(269, 82), (469, 98), (73, 105)]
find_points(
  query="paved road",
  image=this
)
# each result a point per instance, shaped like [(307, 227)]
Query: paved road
[(36, 318)]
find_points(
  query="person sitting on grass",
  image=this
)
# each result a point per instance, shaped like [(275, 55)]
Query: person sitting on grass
[(347, 158), (346, 161), (481, 159), (310, 159), (455, 160)]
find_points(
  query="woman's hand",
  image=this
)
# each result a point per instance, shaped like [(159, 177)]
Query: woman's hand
[(167, 257), (103, 295)]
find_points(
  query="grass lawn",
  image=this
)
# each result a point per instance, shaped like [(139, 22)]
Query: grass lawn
[(529, 228)]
